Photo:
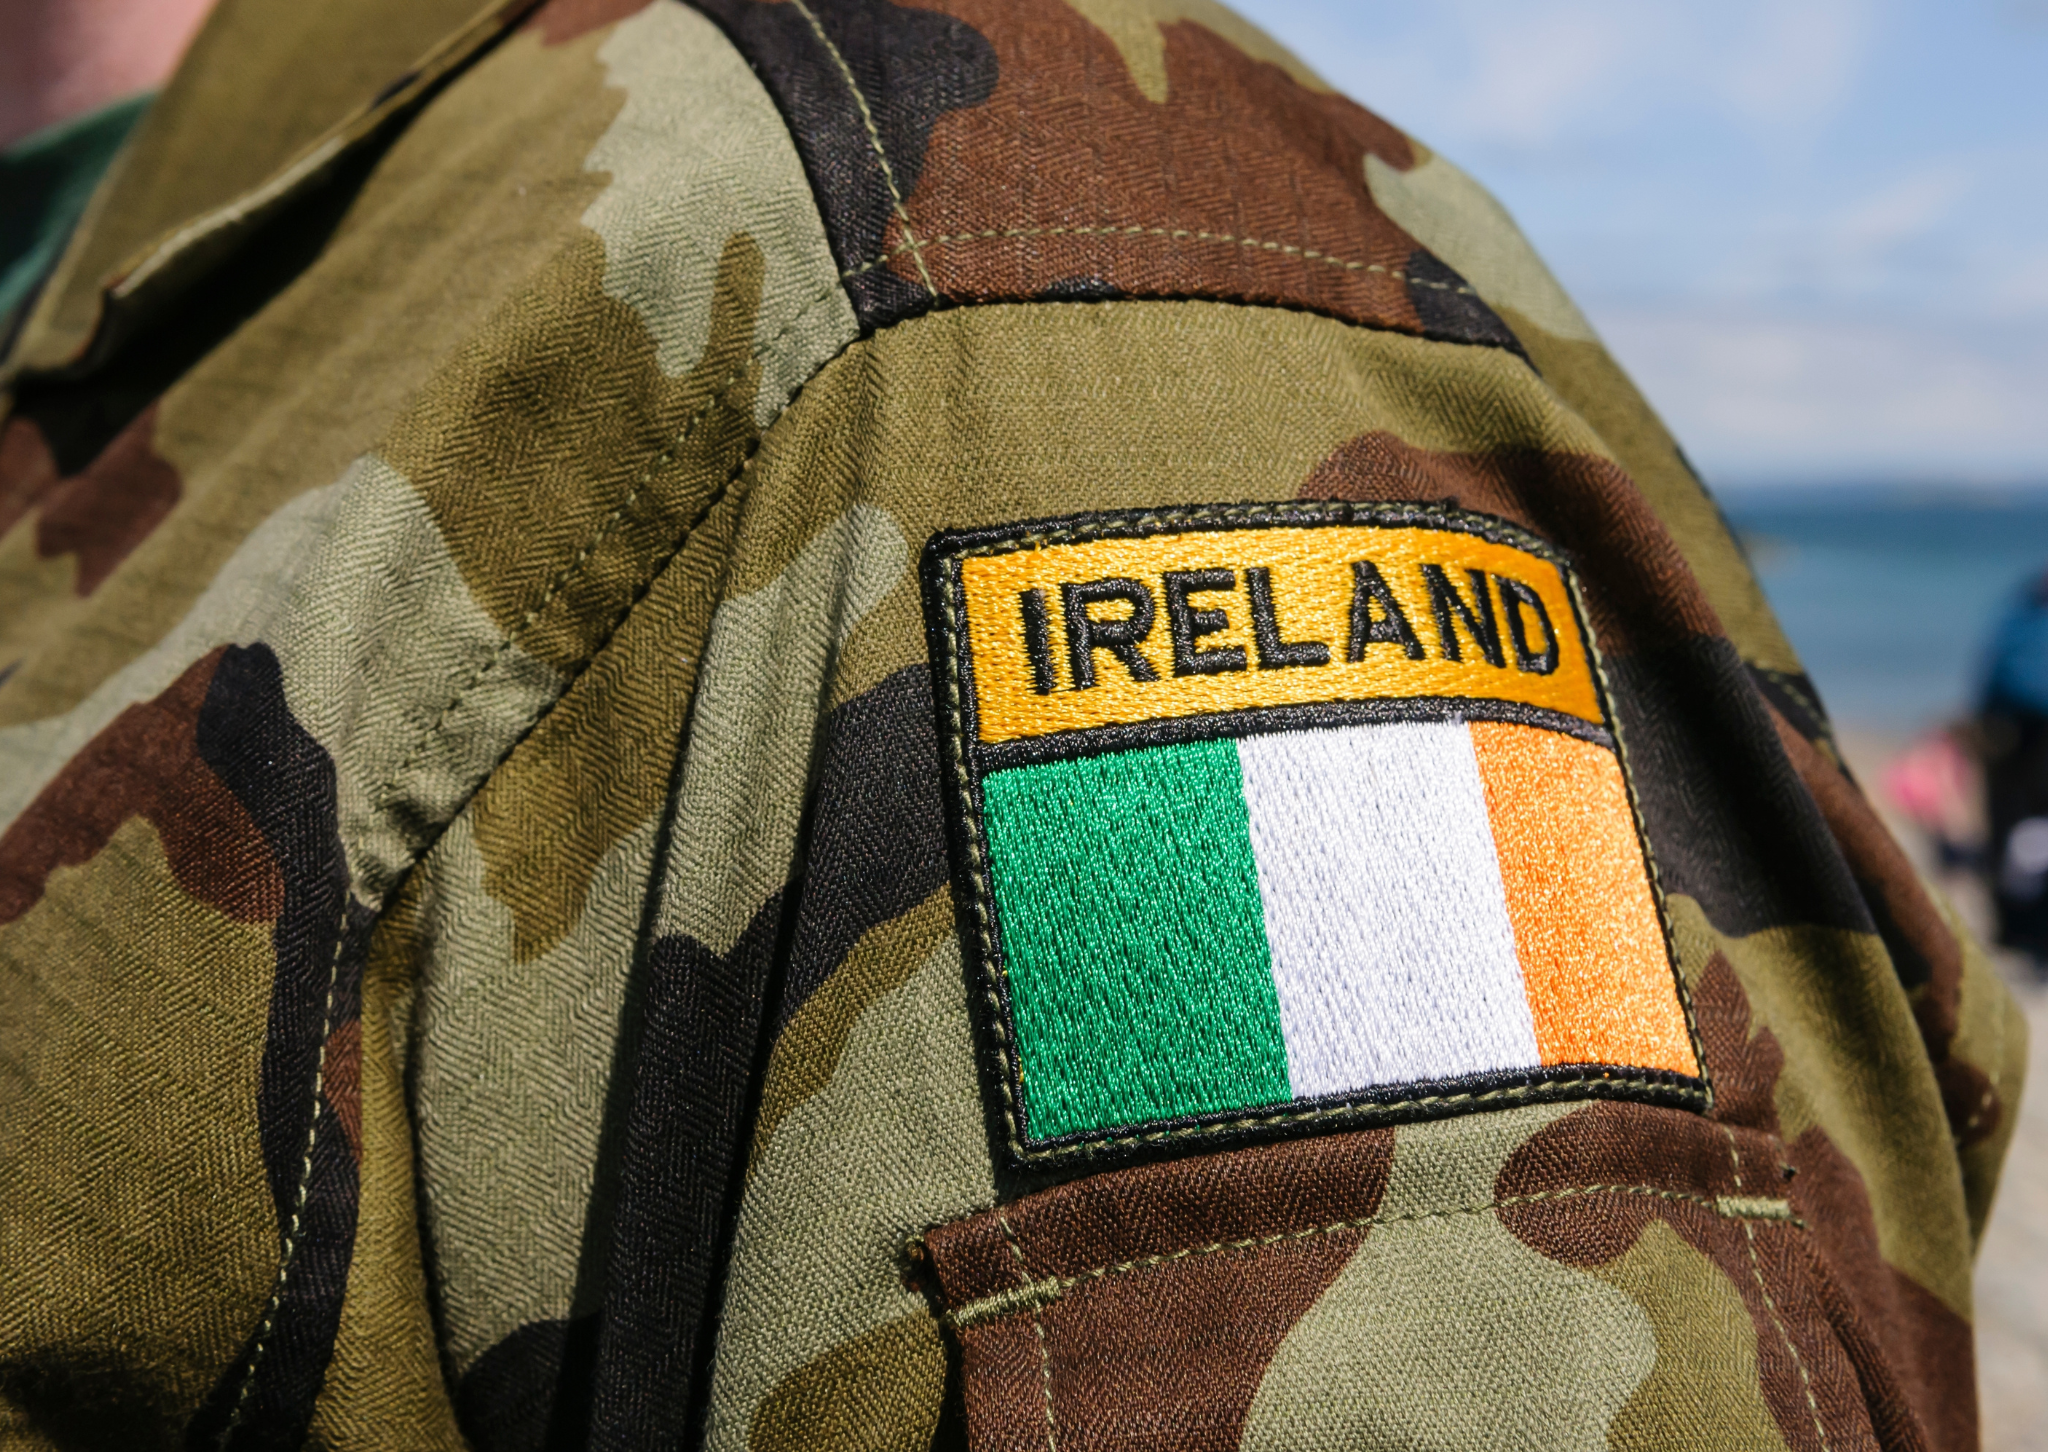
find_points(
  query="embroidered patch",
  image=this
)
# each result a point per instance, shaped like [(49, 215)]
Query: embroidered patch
[(1268, 817)]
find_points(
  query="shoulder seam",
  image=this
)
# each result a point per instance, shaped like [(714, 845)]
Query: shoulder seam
[(384, 795), (1249, 244), (911, 244)]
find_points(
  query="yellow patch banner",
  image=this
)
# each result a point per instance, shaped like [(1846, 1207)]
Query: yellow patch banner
[(1112, 631)]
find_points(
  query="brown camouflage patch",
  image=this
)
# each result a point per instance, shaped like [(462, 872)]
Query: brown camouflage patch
[(1745, 1066), (993, 151), (1723, 1192), (1639, 592), (28, 471), (1916, 1356), (1150, 1298), (147, 763), (101, 513)]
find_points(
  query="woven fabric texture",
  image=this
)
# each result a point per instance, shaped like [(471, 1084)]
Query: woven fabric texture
[(480, 947)]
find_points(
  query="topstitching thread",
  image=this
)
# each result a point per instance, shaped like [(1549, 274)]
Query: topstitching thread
[(1037, 1293), (289, 1254), (1250, 244), (1756, 1268), (563, 577), (1789, 684), (910, 242), (289, 1251), (1052, 1438)]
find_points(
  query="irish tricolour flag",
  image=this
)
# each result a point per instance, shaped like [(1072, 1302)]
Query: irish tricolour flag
[(1272, 817), (1228, 924)]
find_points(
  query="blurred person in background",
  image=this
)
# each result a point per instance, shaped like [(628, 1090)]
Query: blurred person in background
[(864, 726), (2014, 726)]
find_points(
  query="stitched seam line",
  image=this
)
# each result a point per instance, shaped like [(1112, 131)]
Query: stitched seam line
[(1754, 1207), (1785, 682), (867, 117), (1549, 1089), (1756, 1268), (1232, 239), (1037, 1293), (1650, 864), (976, 869), (284, 1269), (1031, 1287), (383, 796), (289, 1255)]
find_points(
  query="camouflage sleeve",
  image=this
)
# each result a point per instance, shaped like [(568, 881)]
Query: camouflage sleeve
[(835, 724)]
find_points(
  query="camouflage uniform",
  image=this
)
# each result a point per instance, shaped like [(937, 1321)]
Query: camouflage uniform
[(480, 947)]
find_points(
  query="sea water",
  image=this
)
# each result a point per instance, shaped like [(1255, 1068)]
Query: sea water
[(1889, 596)]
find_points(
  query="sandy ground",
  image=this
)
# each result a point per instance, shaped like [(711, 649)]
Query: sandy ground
[(2012, 1267)]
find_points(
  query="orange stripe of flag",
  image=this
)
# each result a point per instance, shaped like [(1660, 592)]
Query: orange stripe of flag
[(1586, 927)]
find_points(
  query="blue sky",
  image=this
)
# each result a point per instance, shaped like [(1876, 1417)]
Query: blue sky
[(1816, 231)]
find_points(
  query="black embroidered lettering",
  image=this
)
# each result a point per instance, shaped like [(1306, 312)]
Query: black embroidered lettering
[(1185, 624), (1513, 596), (1086, 635), (1037, 640), (1477, 618), (1275, 653), (1389, 627)]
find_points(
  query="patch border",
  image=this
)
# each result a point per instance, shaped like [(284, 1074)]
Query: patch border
[(966, 761)]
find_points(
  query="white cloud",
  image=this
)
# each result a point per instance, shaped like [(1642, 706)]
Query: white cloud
[(1786, 65), (1536, 70), (1812, 228), (1754, 395), (1908, 207), (1531, 74)]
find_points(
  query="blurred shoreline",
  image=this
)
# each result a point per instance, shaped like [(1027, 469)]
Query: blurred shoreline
[(1889, 592)]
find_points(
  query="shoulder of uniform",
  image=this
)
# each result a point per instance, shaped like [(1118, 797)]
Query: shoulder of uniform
[(1054, 150)]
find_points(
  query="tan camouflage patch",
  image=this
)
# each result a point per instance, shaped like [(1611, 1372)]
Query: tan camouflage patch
[(807, 1052), (510, 1061), (131, 1016), (893, 1143), (876, 1393), (698, 154), (772, 654), (1278, 392), (1703, 1391), (1445, 1331), (385, 1385), (1453, 216), (468, 204), (1136, 28)]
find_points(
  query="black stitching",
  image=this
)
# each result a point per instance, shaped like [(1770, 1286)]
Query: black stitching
[(966, 762)]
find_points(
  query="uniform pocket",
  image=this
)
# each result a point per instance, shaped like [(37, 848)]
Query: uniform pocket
[(1613, 1275)]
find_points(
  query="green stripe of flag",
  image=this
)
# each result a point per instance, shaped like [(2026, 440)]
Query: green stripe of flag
[(1134, 938)]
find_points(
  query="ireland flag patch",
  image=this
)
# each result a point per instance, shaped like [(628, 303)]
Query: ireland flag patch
[(1274, 817)]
